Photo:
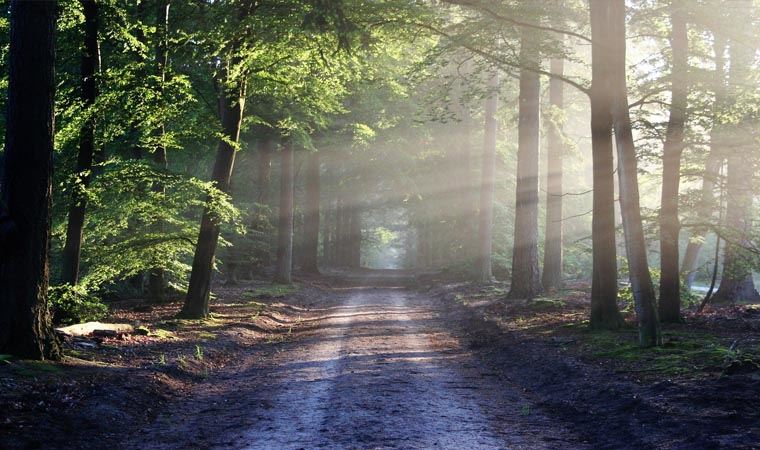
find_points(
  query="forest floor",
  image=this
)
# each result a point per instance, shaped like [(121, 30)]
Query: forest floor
[(379, 359)]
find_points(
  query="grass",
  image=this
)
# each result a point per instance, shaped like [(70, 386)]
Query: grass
[(32, 369), (682, 353), (546, 303), (272, 291), (162, 334)]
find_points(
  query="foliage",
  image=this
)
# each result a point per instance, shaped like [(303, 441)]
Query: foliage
[(149, 229), (74, 304)]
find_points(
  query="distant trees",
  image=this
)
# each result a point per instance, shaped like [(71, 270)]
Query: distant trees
[(736, 281), (485, 222), (551, 277), (25, 204), (311, 215), (284, 264)]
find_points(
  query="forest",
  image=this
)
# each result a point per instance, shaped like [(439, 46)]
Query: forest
[(376, 224)]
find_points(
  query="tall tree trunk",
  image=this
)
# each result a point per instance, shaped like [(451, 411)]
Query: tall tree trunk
[(670, 280), (485, 222), (552, 271), (231, 107), (706, 206), (25, 328), (526, 279), (736, 282), (604, 309), (467, 205), (644, 296), (311, 216), (89, 67), (285, 222), (157, 275)]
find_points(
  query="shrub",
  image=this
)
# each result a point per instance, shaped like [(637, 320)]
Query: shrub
[(73, 304)]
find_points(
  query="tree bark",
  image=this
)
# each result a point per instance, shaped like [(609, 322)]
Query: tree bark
[(604, 310), (89, 67), (552, 271), (231, 107), (485, 220), (25, 325), (285, 222), (644, 296), (311, 216), (526, 279), (670, 280)]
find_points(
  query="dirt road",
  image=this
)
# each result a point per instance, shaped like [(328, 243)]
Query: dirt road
[(378, 369)]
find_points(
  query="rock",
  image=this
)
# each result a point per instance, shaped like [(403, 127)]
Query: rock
[(96, 329)]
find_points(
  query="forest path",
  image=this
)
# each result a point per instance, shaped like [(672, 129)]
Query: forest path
[(377, 369)]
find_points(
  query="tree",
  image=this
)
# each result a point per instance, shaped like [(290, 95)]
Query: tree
[(736, 282), (231, 107), (638, 268), (25, 328), (90, 62), (526, 282), (157, 276), (670, 280), (311, 216), (485, 221), (604, 310), (551, 278), (285, 222), (707, 200)]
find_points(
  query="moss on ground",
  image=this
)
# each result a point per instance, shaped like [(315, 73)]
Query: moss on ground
[(682, 353), (272, 291)]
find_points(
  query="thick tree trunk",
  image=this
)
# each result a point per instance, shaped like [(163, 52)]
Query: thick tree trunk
[(644, 296), (670, 280), (231, 106), (311, 216), (552, 271), (157, 276), (75, 226), (526, 280), (706, 206), (25, 328), (285, 222), (604, 310), (485, 220)]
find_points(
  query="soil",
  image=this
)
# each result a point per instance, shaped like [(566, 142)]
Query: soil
[(370, 359)]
